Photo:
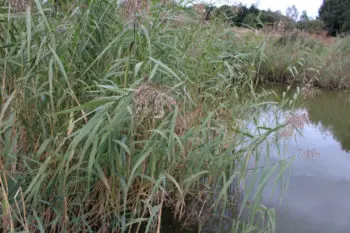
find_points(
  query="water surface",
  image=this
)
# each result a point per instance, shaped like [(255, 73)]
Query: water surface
[(317, 199)]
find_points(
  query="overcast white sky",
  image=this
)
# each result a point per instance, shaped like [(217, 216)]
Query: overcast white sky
[(311, 6)]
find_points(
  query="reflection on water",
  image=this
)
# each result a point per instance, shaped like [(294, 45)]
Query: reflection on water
[(332, 111), (317, 197)]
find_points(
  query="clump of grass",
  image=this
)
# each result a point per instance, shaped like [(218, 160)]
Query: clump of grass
[(91, 145)]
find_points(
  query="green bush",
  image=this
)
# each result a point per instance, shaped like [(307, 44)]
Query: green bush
[(311, 26)]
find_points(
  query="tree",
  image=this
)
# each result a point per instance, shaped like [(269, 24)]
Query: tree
[(251, 20), (336, 16), (292, 12), (279, 12), (304, 17), (225, 13), (209, 9)]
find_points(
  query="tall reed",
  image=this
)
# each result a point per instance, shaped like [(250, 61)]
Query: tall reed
[(105, 122)]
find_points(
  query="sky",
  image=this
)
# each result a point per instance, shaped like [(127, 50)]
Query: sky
[(311, 6)]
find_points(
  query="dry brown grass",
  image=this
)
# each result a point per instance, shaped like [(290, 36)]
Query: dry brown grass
[(151, 102), (19, 5), (131, 8), (309, 92)]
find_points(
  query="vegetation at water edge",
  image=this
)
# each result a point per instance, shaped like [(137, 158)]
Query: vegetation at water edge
[(108, 118)]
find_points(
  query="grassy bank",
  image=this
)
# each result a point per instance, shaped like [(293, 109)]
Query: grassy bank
[(304, 59), (106, 119)]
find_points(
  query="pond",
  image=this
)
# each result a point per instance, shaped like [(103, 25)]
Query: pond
[(319, 177)]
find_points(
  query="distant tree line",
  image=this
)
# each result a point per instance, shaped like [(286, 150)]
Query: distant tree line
[(243, 16), (334, 17)]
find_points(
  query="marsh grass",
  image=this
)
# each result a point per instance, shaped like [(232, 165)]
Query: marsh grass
[(104, 122), (304, 59)]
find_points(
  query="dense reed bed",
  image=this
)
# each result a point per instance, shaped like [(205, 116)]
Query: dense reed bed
[(108, 118)]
